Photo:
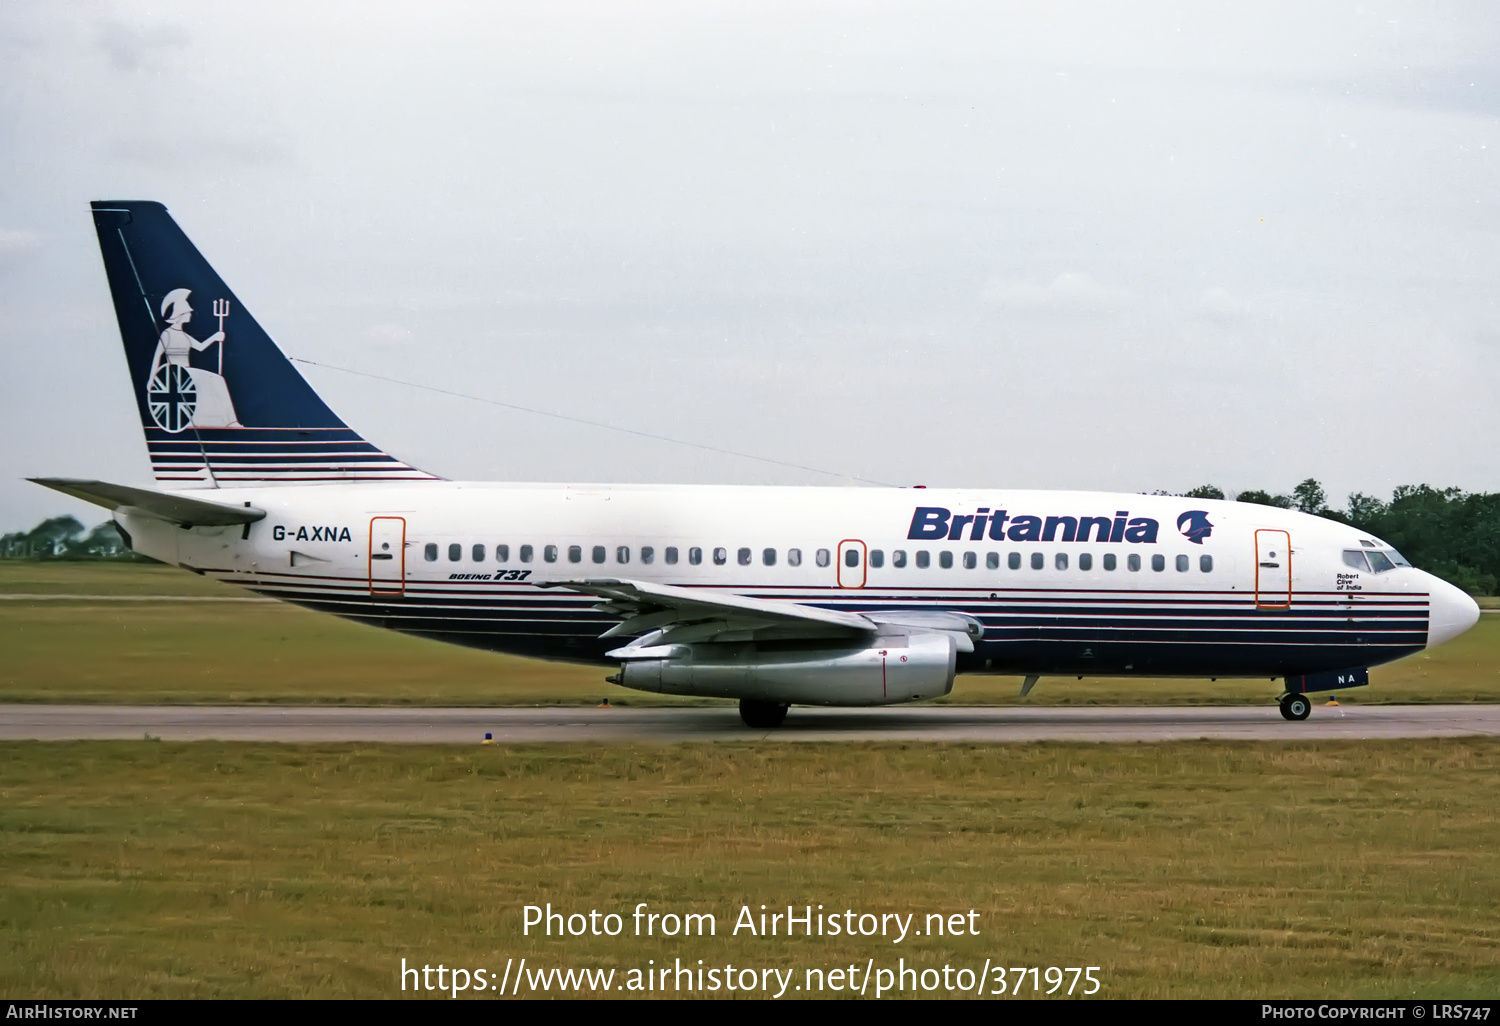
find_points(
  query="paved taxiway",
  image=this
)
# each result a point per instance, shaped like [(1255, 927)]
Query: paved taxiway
[(621, 725)]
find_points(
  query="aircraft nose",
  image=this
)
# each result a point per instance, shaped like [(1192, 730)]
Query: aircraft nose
[(1451, 612)]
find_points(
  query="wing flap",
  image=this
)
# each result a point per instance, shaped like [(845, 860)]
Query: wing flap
[(671, 610), (171, 507)]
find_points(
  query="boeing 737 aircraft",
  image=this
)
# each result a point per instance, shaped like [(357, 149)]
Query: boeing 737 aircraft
[(773, 596)]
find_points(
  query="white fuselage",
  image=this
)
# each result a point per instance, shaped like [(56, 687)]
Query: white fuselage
[(1067, 582)]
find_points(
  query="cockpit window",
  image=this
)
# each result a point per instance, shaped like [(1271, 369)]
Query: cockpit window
[(1374, 560)]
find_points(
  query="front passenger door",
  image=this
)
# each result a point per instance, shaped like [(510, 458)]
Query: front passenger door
[(1273, 569)]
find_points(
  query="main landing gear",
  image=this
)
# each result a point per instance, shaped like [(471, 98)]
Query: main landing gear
[(762, 715), (1295, 707)]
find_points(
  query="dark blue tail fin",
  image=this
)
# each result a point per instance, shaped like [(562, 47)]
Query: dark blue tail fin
[(220, 404)]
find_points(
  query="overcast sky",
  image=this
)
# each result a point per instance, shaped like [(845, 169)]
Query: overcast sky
[(1113, 246)]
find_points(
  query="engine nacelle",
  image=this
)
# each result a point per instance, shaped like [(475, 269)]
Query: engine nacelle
[(900, 668)]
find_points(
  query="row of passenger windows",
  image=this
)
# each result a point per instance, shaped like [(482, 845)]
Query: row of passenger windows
[(600, 554), (745, 556), (1038, 560)]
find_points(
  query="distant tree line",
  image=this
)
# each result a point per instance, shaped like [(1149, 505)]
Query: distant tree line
[(1448, 532), (65, 538)]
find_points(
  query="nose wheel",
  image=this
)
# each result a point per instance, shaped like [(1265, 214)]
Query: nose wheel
[(1295, 707)]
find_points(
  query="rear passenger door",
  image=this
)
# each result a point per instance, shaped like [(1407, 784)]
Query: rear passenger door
[(387, 555)]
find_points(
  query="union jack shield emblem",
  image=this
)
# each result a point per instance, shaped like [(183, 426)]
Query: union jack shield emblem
[(172, 397)]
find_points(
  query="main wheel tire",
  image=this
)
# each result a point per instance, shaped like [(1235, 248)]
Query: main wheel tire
[(1296, 707), (762, 715)]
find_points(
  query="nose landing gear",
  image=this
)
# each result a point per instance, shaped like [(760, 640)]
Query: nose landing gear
[(1295, 707)]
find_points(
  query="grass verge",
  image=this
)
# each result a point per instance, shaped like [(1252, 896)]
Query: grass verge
[(1185, 870)]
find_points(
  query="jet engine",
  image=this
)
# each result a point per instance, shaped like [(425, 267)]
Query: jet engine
[(897, 668)]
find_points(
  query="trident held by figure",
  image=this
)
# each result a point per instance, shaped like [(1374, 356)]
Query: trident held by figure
[(221, 311)]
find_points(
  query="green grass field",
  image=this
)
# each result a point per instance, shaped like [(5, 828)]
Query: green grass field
[(1184, 870), (142, 869), (235, 652)]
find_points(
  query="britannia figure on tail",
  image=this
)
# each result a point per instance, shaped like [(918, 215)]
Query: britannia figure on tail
[(180, 395)]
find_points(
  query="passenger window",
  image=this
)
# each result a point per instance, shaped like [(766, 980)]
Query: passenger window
[(924, 559), (744, 557), (824, 558), (971, 560), (1158, 562), (1109, 561), (721, 556), (429, 553), (477, 554), (945, 560), (898, 558), (1356, 559), (851, 557), (502, 553), (1013, 561), (575, 553), (670, 555), (877, 558), (622, 554), (793, 557), (1206, 564), (550, 553), (992, 561), (455, 552), (695, 555), (1038, 561), (1133, 562), (1085, 561), (648, 554), (768, 557), (1061, 562), (1182, 564), (1379, 562), (526, 552)]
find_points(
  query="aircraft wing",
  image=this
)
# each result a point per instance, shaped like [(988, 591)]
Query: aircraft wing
[(173, 507), (664, 614), (667, 614)]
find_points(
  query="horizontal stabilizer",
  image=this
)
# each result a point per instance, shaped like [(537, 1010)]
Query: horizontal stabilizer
[(171, 507)]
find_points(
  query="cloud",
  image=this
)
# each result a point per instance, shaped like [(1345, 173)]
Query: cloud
[(1219, 305), (1069, 292), (170, 150), (389, 335), (15, 242), (132, 47)]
